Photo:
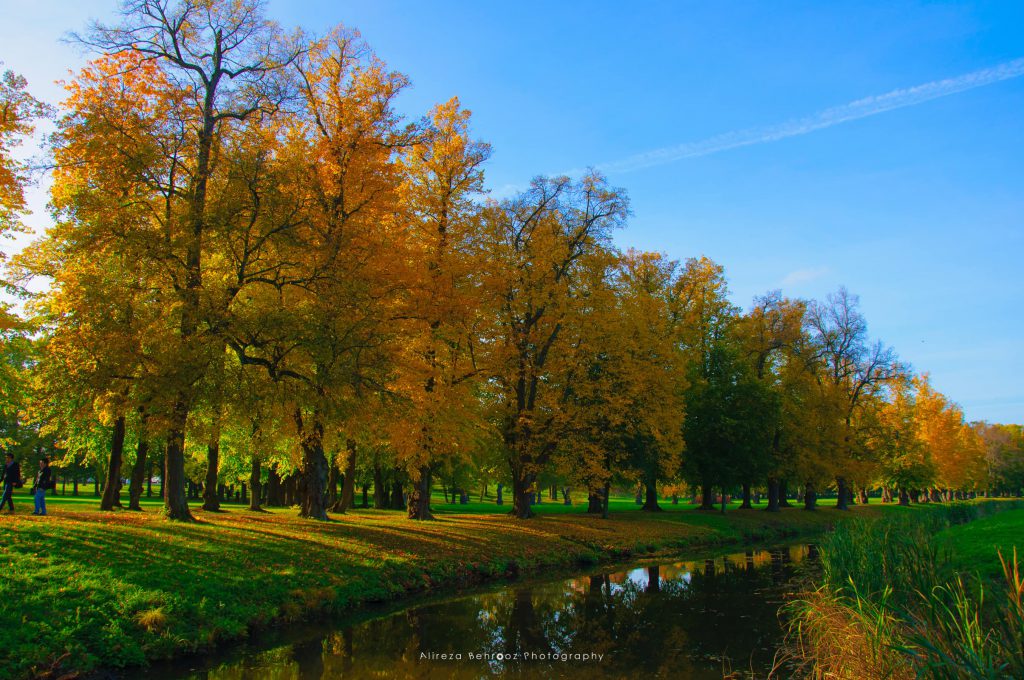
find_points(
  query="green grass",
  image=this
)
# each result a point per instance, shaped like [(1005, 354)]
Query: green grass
[(108, 589), (975, 547)]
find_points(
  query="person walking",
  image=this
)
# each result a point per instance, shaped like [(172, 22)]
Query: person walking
[(11, 477), (44, 481)]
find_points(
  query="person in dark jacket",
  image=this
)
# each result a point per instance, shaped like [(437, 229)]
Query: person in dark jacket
[(11, 477), (44, 481)]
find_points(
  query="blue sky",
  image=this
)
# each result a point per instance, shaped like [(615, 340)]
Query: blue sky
[(918, 209)]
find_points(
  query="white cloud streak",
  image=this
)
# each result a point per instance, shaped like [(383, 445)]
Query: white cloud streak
[(855, 110)]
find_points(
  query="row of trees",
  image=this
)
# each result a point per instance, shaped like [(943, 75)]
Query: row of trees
[(257, 267)]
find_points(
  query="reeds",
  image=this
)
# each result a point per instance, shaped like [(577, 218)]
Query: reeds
[(890, 605)]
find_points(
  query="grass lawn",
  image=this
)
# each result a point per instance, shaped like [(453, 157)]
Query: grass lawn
[(975, 546), (120, 588)]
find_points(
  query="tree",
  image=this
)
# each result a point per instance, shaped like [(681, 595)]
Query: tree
[(445, 304), (955, 448), (852, 369), (19, 111), (316, 319), (219, 62), (541, 245), (652, 369), (770, 336), (906, 462), (703, 317), (1004, 453)]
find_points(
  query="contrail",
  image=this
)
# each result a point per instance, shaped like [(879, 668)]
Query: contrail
[(855, 110)]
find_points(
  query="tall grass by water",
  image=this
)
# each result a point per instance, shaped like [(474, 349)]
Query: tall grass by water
[(893, 601)]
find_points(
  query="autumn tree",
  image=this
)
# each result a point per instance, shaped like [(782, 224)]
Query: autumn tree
[(539, 245), (955, 448), (446, 306), (850, 368), (1004, 454), (219, 63), (770, 336), (19, 112), (906, 462), (651, 366), (318, 320)]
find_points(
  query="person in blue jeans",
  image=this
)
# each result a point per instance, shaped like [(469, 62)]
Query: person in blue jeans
[(44, 481), (11, 477)]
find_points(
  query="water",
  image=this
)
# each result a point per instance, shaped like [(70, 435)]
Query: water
[(685, 619)]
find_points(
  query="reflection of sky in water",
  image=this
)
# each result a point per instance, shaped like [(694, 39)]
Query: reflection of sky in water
[(682, 571)]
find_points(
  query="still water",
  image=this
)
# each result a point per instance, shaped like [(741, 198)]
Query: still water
[(685, 619)]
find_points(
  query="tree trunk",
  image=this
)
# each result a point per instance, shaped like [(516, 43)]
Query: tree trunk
[(521, 483), (841, 494), (863, 496), (773, 495), (565, 496), (211, 500), (397, 490), (419, 499), (499, 500), (810, 497), (607, 499), (784, 495), (275, 497), (332, 488), (707, 497), (886, 494), (380, 492), (746, 505), (594, 502), (112, 490), (149, 480), (138, 474), (255, 484), (173, 484), (366, 495), (313, 495), (904, 496), (653, 580), (651, 496), (288, 490), (348, 489)]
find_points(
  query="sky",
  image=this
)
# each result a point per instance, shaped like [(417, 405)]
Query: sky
[(802, 145)]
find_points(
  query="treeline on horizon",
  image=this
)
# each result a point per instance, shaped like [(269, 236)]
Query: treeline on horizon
[(258, 270)]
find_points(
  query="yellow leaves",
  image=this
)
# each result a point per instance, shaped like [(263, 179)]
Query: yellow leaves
[(956, 448)]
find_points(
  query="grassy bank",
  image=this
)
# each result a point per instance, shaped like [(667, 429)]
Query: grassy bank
[(938, 596), (94, 589)]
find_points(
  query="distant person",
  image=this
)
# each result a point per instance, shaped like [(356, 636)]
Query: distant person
[(44, 481), (11, 476)]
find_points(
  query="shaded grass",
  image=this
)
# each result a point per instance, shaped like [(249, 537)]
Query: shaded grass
[(117, 589)]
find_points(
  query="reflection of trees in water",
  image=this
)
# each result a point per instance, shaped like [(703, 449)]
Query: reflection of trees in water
[(674, 620)]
